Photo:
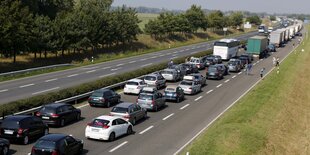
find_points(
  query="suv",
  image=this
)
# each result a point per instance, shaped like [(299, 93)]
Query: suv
[(156, 80), (151, 101), (104, 97), (218, 59), (209, 60), (22, 128), (59, 114), (134, 86), (171, 74), (198, 62), (214, 72)]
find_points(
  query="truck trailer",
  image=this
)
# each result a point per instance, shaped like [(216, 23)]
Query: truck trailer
[(276, 37), (257, 46)]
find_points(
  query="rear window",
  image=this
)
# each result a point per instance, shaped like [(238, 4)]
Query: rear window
[(120, 109), (166, 72), (99, 122), (97, 94), (170, 89), (132, 83), (150, 78), (186, 83), (212, 69), (48, 110), (12, 124), (232, 63), (146, 97), (45, 144)]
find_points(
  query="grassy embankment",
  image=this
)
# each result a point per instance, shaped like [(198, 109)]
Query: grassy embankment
[(273, 118), (144, 44)]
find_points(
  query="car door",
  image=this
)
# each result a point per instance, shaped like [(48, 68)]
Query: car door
[(108, 96), (161, 99), (116, 128), (33, 127), (39, 125), (161, 80), (115, 97), (71, 112), (123, 125), (71, 146), (138, 111)]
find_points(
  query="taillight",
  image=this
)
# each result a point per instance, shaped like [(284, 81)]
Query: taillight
[(55, 152), (38, 114), (102, 100), (54, 115), (153, 101), (32, 150), (20, 131), (190, 88), (105, 126), (127, 116), (138, 87)]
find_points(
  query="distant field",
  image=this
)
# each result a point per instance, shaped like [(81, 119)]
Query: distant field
[(145, 17)]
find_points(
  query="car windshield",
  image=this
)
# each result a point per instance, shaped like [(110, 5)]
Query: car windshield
[(100, 122), (232, 63), (132, 83), (45, 144), (150, 78), (12, 124), (212, 69), (120, 110), (146, 97), (166, 72), (48, 110), (97, 94), (186, 83), (170, 90)]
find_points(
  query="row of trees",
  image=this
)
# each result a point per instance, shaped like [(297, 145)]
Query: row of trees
[(50, 26), (190, 21)]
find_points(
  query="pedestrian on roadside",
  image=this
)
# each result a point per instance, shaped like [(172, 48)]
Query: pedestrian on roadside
[(262, 72), (250, 68), (170, 63), (278, 62), (187, 59), (293, 45), (246, 68), (274, 61)]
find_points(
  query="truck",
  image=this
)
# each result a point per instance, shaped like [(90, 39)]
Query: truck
[(262, 29), (276, 37), (257, 46), (292, 32)]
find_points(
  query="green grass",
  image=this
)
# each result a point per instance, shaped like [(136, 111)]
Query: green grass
[(271, 119), (145, 17)]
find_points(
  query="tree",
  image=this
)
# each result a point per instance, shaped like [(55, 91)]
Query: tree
[(272, 18), (254, 20), (236, 19), (215, 19), (196, 17)]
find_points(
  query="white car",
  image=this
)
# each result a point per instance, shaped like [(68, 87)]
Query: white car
[(190, 87), (134, 86), (107, 128)]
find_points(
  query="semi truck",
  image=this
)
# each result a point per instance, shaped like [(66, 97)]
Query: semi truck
[(276, 37), (257, 46)]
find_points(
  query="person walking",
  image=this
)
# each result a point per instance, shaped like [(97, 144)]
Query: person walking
[(278, 62), (274, 61), (170, 63), (262, 72), (250, 68)]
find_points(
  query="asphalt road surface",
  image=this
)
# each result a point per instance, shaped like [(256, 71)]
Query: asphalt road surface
[(168, 130), (45, 83)]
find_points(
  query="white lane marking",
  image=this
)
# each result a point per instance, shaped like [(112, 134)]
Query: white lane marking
[(193, 52), (132, 62), (145, 130), (91, 71), (82, 106), (198, 46), (4, 90), (115, 69), (187, 49), (92, 67), (218, 85), (239, 73), (174, 55), (233, 76), (107, 75), (257, 61), (119, 65), (117, 147), (107, 67), (193, 48), (182, 51), (153, 57), (209, 91), (162, 55), (143, 59), (72, 75), (254, 64), (198, 98), (175, 52), (43, 91), (184, 107), (27, 85), (227, 81), (146, 64), (168, 116), (50, 80)]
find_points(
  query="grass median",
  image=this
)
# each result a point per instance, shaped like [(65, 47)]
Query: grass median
[(272, 118)]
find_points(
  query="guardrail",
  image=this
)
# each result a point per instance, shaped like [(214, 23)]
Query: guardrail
[(33, 69)]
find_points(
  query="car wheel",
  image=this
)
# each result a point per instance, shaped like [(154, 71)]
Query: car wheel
[(26, 140), (134, 121), (112, 137), (129, 130), (5, 150), (45, 132), (62, 122), (78, 117)]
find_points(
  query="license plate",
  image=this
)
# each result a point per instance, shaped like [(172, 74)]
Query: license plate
[(44, 117), (95, 99), (95, 130), (9, 132)]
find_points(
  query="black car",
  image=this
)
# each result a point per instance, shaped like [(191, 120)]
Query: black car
[(209, 60), (214, 72), (218, 59), (57, 144), (190, 68), (246, 58), (22, 128), (59, 114), (104, 97), (4, 146)]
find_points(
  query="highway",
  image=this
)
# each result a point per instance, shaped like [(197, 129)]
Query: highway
[(45, 83), (166, 132)]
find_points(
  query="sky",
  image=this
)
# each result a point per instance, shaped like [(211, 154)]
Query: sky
[(269, 6)]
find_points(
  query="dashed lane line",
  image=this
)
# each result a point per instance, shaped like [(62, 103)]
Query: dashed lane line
[(43, 91), (210, 91), (227, 81), (198, 98), (145, 130), (184, 106), (168, 116), (50, 80), (4, 90), (107, 75), (118, 146), (91, 71), (73, 75), (27, 85), (218, 86), (233, 76)]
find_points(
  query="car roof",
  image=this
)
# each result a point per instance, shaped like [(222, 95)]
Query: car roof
[(153, 74), (172, 86), (168, 69), (17, 117), (102, 90), (124, 104), (54, 105), (135, 80), (146, 94), (106, 117), (54, 137)]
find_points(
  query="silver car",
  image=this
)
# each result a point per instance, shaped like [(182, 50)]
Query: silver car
[(130, 112), (198, 62), (234, 65), (200, 78), (151, 101), (190, 87), (180, 68), (156, 80), (171, 74)]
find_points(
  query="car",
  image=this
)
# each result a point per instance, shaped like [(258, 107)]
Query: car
[(244, 61), (171, 74), (22, 128), (271, 48), (151, 101), (248, 56), (104, 97), (149, 90), (4, 146), (197, 77), (134, 86), (57, 144), (107, 128), (181, 69), (190, 87), (209, 60), (130, 112), (218, 59), (234, 66), (58, 114), (190, 68), (223, 68), (214, 72), (156, 80), (198, 62), (174, 93)]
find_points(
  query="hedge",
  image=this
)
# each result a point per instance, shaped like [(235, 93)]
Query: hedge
[(28, 103)]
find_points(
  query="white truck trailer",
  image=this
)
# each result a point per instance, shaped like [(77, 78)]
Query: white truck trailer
[(277, 37)]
